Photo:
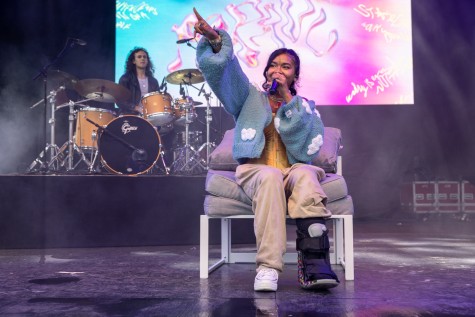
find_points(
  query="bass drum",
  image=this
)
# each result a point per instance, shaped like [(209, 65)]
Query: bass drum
[(129, 145)]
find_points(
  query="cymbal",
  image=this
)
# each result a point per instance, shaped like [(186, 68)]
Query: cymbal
[(185, 76), (59, 78), (197, 103), (102, 90)]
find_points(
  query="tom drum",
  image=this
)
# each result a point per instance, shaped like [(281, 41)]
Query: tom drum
[(86, 132), (157, 108)]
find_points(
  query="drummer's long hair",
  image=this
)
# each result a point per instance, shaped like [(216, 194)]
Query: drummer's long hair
[(294, 56), (130, 66)]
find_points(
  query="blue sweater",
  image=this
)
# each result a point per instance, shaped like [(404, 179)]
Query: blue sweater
[(298, 122)]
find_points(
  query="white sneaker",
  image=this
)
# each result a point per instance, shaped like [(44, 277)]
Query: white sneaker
[(266, 280)]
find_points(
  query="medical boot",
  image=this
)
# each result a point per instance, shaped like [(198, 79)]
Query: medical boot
[(313, 249)]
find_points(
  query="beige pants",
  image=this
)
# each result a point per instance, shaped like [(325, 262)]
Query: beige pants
[(295, 190)]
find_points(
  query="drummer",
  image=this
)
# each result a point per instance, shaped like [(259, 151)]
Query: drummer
[(138, 79)]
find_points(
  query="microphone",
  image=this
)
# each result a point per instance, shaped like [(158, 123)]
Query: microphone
[(184, 40), (78, 41), (273, 87)]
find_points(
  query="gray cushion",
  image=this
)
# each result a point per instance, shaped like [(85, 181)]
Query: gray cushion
[(342, 206), (222, 157), (221, 206), (215, 206), (223, 184), (328, 155)]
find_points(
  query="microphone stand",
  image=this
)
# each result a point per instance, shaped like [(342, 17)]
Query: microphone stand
[(209, 118), (188, 44), (43, 72), (187, 41)]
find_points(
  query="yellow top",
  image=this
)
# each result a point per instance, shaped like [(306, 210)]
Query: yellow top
[(274, 153)]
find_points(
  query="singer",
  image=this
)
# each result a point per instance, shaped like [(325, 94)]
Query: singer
[(277, 135), (138, 78)]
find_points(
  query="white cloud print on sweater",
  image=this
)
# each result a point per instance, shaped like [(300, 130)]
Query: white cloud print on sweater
[(306, 106), (313, 147), (248, 134), (317, 113)]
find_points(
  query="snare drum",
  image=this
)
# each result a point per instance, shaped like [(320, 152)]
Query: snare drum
[(129, 145), (195, 139), (86, 133), (166, 128), (181, 106), (157, 108)]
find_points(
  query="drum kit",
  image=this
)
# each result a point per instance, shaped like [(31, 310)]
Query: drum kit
[(100, 140)]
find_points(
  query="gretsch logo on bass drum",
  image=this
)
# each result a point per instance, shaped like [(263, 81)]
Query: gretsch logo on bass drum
[(126, 127)]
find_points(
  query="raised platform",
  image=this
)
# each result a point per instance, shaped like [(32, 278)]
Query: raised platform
[(39, 211)]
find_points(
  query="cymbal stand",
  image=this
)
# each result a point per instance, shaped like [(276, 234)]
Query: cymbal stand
[(45, 166), (209, 145), (54, 150), (188, 161), (70, 145)]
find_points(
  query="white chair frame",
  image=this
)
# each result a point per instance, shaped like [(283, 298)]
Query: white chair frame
[(342, 245), (342, 254)]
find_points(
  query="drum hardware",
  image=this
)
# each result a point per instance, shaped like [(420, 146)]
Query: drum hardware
[(70, 146), (54, 161), (188, 160), (65, 80), (209, 146), (156, 168)]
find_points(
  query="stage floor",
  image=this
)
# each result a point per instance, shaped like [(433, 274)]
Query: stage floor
[(402, 268)]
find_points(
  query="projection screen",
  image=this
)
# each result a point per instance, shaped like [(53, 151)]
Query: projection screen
[(352, 52)]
